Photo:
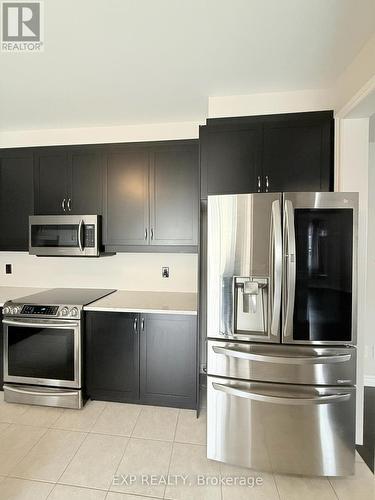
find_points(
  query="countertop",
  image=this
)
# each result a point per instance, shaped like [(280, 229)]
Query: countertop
[(147, 302), (14, 292)]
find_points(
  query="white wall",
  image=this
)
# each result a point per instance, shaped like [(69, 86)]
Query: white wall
[(126, 271), (97, 135), (269, 103)]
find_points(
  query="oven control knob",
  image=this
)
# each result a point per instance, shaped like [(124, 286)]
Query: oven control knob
[(64, 311), (74, 312)]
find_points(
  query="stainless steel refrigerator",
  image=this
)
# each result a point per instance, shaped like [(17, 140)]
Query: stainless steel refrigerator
[(281, 331)]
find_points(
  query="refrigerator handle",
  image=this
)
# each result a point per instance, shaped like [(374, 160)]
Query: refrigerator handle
[(282, 398), (276, 266), (289, 282)]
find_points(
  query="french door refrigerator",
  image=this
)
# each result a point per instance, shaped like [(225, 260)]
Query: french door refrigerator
[(281, 330)]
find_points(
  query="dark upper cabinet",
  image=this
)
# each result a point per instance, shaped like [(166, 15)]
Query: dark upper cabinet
[(168, 360), (174, 196), (298, 154), (127, 198), (16, 198), (230, 158), (112, 356), (51, 182), (86, 183), (68, 181), (288, 152), (151, 196)]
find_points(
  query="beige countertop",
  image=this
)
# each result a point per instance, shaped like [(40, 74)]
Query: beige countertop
[(147, 302), (15, 292)]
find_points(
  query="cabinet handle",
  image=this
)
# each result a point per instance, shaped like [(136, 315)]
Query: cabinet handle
[(69, 204), (135, 325), (146, 233), (143, 324), (259, 183), (152, 233), (267, 183), (63, 203)]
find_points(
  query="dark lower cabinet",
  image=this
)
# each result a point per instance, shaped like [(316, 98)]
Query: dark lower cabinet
[(16, 199), (150, 359), (112, 356), (168, 363)]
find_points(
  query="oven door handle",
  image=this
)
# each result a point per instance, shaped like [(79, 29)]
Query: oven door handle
[(66, 325), (38, 393)]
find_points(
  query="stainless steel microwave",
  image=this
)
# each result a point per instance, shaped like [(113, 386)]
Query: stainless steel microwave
[(65, 235)]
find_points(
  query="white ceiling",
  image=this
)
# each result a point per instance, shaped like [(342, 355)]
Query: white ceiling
[(113, 62)]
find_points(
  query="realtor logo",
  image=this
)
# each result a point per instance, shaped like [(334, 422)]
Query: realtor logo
[(22, 26)]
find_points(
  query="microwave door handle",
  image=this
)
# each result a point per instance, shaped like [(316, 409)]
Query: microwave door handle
[(80, 235), (276, 267), (290, 268)]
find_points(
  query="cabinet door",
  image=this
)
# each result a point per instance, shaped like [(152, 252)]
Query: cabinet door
[(230, 159), (127, 206), (298, 155), (51, 183), (16, 199), (86, 183), (112, 356), (174, 196), (168, 365)]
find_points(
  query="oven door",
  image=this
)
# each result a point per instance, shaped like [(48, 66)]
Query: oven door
[(42, 352), (64, 235)]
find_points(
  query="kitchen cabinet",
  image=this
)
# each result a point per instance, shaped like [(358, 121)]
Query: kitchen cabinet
[(16, 198), (143, 358), (112, 356), (231, 157), (287, 152), (51, 182), (174, 196), (151, 197), (68, 181), (168, 364), (298, 154), (126, 198)]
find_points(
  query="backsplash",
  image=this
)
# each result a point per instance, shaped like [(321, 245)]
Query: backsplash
[(127, 271)]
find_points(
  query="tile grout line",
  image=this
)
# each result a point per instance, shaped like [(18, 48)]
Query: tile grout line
[(83, 441), (276, 486), (173, 441), (333, 488), (126, 447), (28, 451)]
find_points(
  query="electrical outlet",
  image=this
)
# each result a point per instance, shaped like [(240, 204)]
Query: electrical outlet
[(165, 272), (8, 268)]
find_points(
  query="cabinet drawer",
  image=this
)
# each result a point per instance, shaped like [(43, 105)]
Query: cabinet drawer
[(279, 427), (282, 363)]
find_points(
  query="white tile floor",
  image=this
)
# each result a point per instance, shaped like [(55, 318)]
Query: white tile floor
[(74, 455)]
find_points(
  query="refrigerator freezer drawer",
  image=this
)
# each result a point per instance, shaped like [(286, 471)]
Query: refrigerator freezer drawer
[(281, 363), (281, 428)]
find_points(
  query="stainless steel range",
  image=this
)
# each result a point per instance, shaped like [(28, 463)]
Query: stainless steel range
[(43, 347)]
